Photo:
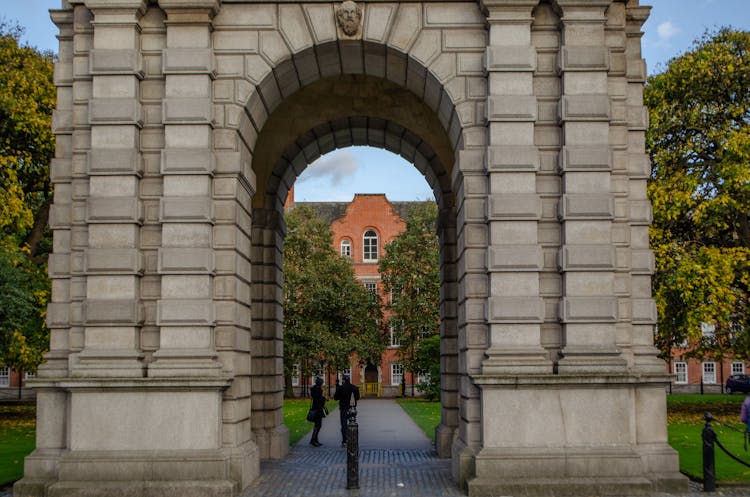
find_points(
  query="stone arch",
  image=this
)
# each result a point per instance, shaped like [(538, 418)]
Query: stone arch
[(339, 111)]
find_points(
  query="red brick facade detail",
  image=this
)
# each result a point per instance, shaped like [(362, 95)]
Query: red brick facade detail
[(369, 212)]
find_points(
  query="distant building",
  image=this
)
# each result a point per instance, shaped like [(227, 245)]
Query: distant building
[(701, 376), (11, 379), (361, 228)]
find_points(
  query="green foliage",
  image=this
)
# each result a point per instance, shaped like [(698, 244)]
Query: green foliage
[(27, 98), (410, 273), (699, 143), (328, 314)]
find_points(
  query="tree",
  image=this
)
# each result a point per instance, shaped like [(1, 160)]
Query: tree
[(329, 316), (410, 273), (699, 143), (27, 98)]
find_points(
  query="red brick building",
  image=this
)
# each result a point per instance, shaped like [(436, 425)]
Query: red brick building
[(701, 376), (361, 228)]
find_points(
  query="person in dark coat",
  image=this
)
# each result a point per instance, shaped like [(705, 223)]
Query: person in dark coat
[(318, 403), (344, 394)]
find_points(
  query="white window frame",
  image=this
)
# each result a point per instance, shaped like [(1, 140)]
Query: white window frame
[(370, 246), (29, 376), (295, 375), (738, 368), (680, 372), (4, 376), (346, 249), (371, 286), (709, 373), (397, 373)]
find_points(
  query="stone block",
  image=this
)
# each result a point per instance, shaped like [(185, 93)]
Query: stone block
[(452, 15), (112, 312), (145, 421), (511, 58), (584, 58), (235, 41), (582, 206), (293, 27), (321, 20), (187, 161), (591, 158), (585, 108), (185, 312), (185, 210), (58, 315), (187, 110), (511, 108), (115, 111), (515, 206), (113, 261), (188, 61), (114, 162), (643, 311), (590, 309), (515, 258), (511, 158), (173, 260), (587, 258), (378, 19), (642, 262), (114, 210), (111, 61), (516, 310)]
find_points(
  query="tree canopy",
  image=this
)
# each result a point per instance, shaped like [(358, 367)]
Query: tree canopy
[(27, 98), (329, 316), (699, 143), (410, 271)]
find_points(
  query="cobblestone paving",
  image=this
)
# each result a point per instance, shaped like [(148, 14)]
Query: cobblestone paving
[(311, 472)]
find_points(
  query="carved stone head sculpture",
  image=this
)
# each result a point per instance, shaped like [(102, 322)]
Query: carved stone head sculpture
[(349, 17)]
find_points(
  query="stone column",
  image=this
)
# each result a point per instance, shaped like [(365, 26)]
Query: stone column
[(589, 306), (112, 261), (186, 311), (267, 343), (515, 258)]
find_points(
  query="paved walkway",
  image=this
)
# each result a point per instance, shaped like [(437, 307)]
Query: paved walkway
[(396, 459)]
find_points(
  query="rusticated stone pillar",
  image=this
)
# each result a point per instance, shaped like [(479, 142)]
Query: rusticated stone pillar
[(186, 314), (112, 261), (515, 258), (589, 306), (267, 342)]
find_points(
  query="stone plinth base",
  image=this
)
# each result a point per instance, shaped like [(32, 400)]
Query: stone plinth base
[(568, 435)]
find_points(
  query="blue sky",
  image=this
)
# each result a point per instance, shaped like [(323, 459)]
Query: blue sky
[(670, 30)]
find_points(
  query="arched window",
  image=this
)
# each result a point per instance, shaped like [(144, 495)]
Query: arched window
[(370, 246), (346, 248)]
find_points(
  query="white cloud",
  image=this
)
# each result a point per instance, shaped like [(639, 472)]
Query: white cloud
[(666, 31), (335, 167)]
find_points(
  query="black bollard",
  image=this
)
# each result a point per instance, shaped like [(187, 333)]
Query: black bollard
[(709, 467), (352, 450)]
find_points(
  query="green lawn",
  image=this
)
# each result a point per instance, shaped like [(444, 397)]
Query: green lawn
[(425, 414), (685, 424), (17, 432)]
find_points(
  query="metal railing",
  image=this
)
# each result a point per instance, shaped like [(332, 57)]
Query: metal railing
[(709, 452)]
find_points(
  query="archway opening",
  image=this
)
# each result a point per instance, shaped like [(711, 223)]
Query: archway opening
[(335, 113)]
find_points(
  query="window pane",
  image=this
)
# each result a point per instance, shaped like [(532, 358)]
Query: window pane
[(397, 373), (346, 248), (4, 376), (709, 372), (738, 368), (680, 371), (370, 246)]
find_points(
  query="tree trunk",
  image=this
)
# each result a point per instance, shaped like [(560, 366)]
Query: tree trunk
[(36, 235)]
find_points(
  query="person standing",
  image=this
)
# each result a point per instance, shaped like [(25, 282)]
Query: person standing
[(344, 394), (318, 404)]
